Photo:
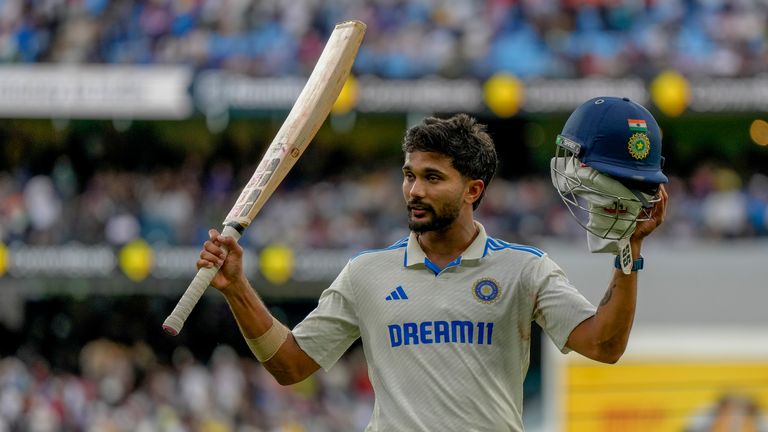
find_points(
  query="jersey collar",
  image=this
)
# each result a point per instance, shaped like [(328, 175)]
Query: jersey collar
[(414, 255)]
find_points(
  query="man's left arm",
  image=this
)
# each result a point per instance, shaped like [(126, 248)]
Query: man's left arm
[(603, 337)]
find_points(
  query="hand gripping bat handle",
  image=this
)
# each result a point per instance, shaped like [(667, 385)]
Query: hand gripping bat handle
[(195, 290)]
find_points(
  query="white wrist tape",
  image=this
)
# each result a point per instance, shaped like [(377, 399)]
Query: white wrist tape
[(265, 346)]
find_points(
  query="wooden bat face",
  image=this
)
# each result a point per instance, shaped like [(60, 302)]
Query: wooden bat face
[(305, 118)]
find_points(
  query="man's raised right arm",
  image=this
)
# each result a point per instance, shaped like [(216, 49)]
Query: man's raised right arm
[(271, 342)]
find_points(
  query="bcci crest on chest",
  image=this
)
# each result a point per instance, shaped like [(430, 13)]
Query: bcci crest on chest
[(487, 290)]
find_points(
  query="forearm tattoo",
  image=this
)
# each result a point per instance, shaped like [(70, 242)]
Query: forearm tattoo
[(608, 294)]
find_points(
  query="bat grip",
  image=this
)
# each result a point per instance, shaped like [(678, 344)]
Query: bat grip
[(195, 290)]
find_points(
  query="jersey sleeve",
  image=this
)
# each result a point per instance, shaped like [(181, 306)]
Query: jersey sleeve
[(558, 307), (329, 330)]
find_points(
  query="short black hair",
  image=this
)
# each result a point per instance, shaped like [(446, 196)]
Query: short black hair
[(465, 141)]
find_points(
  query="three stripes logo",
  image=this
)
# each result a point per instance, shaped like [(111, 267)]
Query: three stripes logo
[(397, 294)]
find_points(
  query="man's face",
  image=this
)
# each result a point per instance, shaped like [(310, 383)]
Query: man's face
[(434, 191)]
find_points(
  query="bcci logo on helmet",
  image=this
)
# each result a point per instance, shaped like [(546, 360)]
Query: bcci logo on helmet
[(639, 146)]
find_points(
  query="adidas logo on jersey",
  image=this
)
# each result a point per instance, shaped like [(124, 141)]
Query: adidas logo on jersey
[(397, 294)]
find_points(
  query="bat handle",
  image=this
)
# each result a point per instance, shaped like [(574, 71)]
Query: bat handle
[(195, 290)]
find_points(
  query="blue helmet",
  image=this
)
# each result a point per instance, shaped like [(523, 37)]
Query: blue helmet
[(617, 137), (607, 171)]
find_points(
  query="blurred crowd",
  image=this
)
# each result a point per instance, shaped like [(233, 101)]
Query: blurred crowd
[(121, 388), (405, 38), (353, 212)]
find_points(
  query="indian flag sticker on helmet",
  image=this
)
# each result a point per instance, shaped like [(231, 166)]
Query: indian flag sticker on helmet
[(639, 146), (636, 125)]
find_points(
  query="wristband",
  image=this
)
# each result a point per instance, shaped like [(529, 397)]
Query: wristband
[(636, 264), (265, 346)]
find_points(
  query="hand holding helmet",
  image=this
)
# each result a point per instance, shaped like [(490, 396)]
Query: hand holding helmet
[(607, 170)]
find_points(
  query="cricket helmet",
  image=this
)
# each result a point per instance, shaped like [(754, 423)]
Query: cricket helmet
[(607, 168)]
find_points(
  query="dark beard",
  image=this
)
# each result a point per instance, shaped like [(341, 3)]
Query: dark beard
[(439, 222)]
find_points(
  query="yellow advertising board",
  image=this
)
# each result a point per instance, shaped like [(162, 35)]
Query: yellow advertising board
[(703, 383)]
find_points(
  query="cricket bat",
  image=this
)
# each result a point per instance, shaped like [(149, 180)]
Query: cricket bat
[(305, 118)]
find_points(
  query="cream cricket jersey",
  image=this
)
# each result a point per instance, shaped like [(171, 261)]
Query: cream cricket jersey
[(446, 350)]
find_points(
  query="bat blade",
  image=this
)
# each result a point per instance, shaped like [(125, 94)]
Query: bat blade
[(299, 128)]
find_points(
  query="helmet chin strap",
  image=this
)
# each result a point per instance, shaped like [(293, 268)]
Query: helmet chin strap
[(617, 247)]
